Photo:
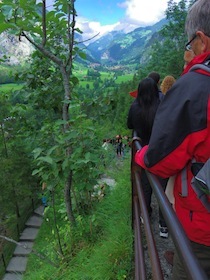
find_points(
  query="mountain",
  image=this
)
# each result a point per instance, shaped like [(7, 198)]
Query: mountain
[(114, 48), (119, 48), (15, 50)]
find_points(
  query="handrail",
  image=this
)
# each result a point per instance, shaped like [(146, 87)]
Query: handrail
[(181, 242)]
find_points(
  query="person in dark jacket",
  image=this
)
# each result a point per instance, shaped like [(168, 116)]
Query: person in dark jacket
[(181, 133), (140, 118), (143, 109)]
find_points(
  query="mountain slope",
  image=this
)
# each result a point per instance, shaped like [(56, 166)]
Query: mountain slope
[(119, 48), (114, 48)]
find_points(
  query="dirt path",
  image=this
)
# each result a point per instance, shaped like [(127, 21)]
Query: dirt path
[(163, 244)]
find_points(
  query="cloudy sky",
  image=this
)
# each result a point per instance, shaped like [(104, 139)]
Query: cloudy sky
[(106, 15)]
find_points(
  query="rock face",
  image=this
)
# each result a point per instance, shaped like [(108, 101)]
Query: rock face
[(16, 51)]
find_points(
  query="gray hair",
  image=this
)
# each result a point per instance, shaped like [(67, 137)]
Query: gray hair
[(198, 18)]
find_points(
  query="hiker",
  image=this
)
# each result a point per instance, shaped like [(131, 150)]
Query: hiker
[(119, 146), (167, 83), (44, 197), (140, 118), (181, 133)]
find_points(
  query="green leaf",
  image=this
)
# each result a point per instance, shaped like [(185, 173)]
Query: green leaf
[(5, 26), (75, 80), (46, 159), (87, 156), (37, 152), (36, 171), (82, 55)]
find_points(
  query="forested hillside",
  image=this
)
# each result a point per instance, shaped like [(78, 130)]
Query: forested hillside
[(53, 122)]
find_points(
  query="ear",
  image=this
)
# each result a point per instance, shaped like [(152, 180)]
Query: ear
[(205, 41)]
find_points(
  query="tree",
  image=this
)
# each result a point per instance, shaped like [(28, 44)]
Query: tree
[(53, 35), (167, 53)]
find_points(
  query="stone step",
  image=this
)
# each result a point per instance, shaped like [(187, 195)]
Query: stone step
[(34, 221), (29, 234), (17, 265), (13, 276), (39, 211), (21, 252), (18, 262)]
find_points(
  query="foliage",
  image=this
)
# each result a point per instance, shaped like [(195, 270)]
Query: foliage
[(101, 247), (18, 188), (53, 35), (167, 53), (8, 73), (15, 160)]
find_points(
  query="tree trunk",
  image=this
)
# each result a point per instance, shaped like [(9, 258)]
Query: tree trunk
[(68, 201)]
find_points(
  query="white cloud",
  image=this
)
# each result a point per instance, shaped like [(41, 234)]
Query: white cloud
[(144, 12), (92, 28), (138, 13)]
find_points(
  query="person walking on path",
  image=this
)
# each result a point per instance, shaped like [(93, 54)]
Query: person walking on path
[(180, 137), (140, 118)]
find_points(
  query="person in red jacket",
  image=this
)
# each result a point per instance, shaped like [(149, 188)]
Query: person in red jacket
[(181, 133)]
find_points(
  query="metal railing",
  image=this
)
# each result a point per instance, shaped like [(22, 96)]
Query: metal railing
[(180, 240)]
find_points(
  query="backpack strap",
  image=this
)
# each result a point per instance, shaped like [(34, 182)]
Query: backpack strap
[(194, 183), (205, 66), (201, 184), (184, 182)]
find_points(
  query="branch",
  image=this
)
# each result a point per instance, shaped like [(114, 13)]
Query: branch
[(43, 50), (41, 256), (44, 29), (71, 31), (89, 39)]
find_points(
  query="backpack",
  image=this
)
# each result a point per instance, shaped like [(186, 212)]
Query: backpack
[(201, 182)]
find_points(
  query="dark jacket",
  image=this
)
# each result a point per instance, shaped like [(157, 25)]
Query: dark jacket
[(135, 122)]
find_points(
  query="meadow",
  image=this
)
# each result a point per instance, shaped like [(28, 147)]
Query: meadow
[(81, 74), (10, 87)]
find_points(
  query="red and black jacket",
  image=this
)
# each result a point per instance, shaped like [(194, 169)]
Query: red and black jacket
[(181, 132)]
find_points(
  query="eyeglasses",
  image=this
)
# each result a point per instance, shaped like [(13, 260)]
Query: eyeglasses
[(188, 46)]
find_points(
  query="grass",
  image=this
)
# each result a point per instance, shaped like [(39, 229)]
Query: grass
[(125, 78), (10, 87), (81, 74), (107, 256)]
